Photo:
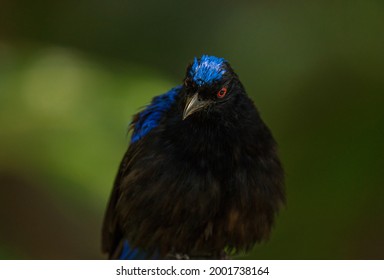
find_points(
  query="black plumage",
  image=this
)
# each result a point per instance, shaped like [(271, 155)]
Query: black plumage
[(201, 176)]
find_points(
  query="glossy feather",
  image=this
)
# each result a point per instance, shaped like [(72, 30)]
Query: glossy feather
[(200, 186)]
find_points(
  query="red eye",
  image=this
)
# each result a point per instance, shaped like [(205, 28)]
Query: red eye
[(221, 93)]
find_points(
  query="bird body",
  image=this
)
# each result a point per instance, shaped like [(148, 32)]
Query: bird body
[(201, 175)]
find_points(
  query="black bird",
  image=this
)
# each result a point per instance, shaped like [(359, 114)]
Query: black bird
[(201, 177)]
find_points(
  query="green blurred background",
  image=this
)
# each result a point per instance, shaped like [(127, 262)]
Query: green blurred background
[(72, 73)]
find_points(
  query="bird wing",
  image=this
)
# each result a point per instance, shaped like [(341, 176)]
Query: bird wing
[(150, 117), (113, 241)]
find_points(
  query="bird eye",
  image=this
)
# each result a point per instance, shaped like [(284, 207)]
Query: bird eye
[(221, 93)]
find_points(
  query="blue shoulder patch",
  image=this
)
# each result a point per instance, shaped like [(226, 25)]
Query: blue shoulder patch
[(207, 69), (149, 118)]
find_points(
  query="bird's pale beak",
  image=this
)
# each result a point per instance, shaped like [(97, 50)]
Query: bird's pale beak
[(193, 104)]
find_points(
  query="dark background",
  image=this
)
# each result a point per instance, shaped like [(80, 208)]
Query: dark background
[(73, 72)]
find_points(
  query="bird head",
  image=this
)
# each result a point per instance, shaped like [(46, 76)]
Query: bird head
[(209, 83)]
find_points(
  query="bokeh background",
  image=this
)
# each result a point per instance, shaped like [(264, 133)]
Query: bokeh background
[(72, 73)]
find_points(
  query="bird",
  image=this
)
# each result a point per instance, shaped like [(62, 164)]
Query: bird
[(201, 178)]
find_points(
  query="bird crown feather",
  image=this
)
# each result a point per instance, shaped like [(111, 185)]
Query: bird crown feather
[(207, 69)]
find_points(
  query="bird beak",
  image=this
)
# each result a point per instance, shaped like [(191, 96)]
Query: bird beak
[(193, 104)]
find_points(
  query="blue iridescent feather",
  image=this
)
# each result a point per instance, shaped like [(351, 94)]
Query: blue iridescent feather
[(150, 117), (207, 69), (129, 253)]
